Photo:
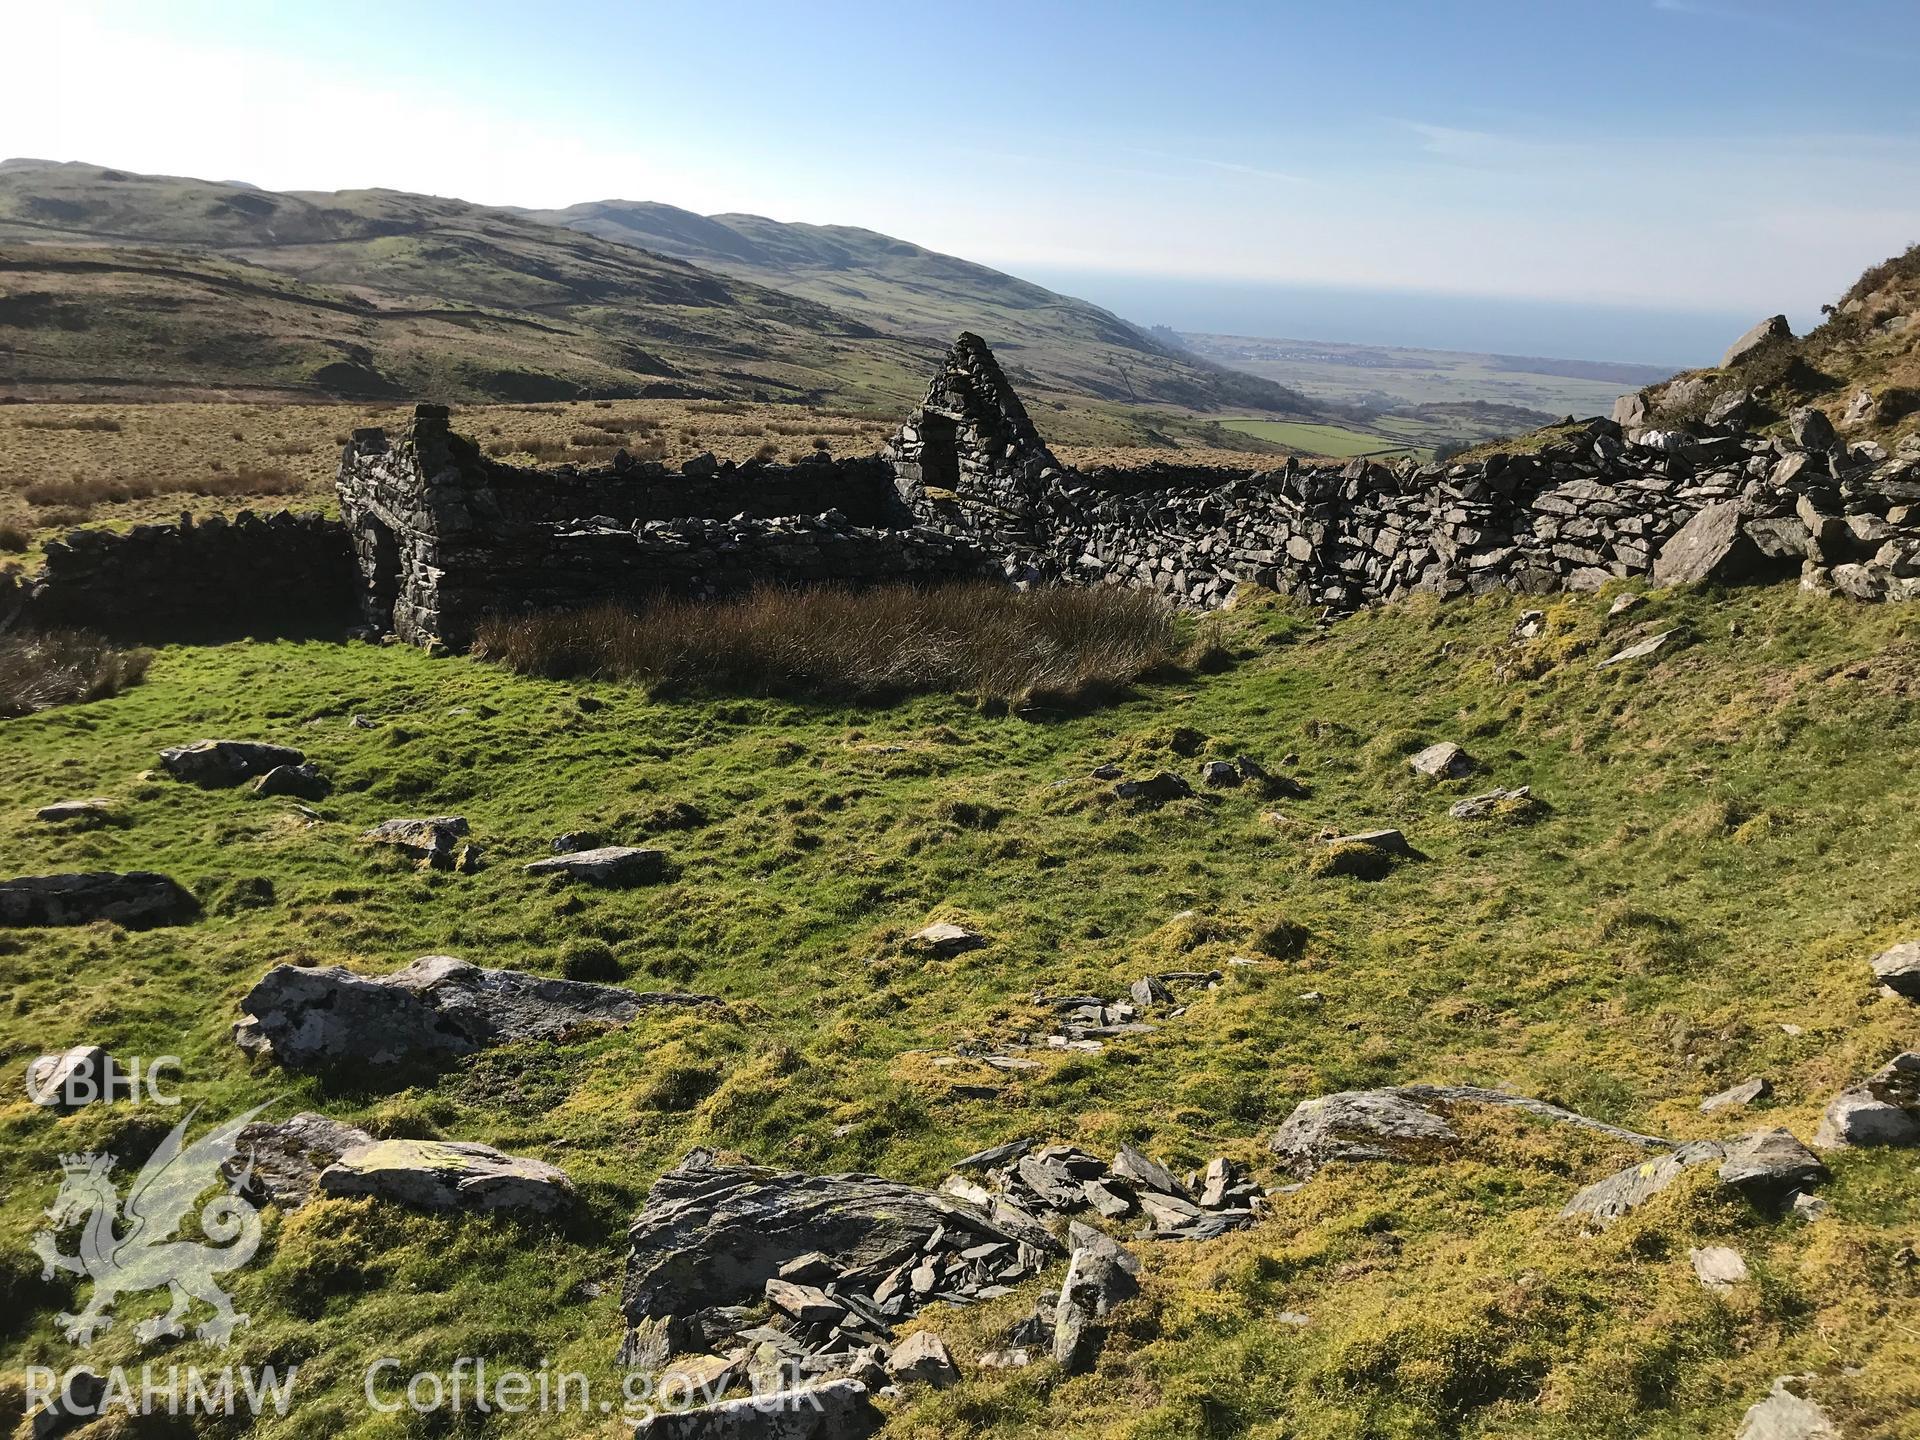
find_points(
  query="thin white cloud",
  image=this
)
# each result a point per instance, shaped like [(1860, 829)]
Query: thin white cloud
[(1825, 35)]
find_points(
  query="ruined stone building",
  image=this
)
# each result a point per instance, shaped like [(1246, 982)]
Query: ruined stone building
[(434, 536), (445, 536)]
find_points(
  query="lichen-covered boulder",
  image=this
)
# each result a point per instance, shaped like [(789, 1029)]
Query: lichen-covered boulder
[(447, 1175), (1607, 1200), (434, 1009), (222, 764), (138, 899), (280, 1162)]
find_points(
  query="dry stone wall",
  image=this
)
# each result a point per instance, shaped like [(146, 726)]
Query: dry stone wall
[(1601, 504), (251, 575)]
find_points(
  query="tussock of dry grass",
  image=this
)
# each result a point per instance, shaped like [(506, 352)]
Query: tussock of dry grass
[(1056, 646), (59, 667)]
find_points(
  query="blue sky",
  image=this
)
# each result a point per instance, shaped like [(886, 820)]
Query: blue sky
[(1704, 158)]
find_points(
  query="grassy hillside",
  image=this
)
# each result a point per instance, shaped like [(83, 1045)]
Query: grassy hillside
[(372, 293), (1725, 837), (1046, 341), (162, 286)]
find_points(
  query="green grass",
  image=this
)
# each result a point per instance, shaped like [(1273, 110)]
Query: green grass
[(1727, 834), (1332, 440)]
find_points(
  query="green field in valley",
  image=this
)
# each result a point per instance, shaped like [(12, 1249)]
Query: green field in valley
[(1332, 440)]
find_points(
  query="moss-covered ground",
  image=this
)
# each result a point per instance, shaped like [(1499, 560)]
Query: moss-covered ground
[(1726, 833)]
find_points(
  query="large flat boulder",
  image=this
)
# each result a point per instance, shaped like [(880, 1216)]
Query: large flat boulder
[(1406, 1122), (434, 1009), (615, 866), (447, 1175), (138, 899), (713, 1235), (222, 764)]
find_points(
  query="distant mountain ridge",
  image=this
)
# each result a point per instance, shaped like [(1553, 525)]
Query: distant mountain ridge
[(902, 288), (172, 285)]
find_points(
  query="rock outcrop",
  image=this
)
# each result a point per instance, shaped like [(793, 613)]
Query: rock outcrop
[(1406, 1122), (434, 1009), (139, 900), (222, 764), (447, 1175), (1884, 1109), (1769, 1167)]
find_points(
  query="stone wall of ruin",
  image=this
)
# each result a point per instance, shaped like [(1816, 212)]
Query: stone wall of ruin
[(446, 537), (252, 575), (1601, 504)]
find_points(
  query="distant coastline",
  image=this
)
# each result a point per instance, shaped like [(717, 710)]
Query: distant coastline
[(1563, 330)]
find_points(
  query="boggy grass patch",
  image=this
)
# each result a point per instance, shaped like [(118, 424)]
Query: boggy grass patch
[(1055, 647), (41, 669)]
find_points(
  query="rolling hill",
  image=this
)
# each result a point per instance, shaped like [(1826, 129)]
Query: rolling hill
[(904, 289), (160, 285)]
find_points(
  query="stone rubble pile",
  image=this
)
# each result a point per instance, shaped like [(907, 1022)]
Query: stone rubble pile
[(814, 1270), (1065, 1180)]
